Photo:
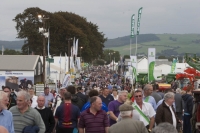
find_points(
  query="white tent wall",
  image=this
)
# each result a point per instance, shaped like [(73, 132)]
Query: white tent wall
[(165, 69), (180, 67), (142, 66), (56, 68), (157, 72), (111, 65)]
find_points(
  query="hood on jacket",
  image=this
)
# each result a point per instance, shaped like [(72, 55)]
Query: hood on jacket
[(74, 98), (186, 97)]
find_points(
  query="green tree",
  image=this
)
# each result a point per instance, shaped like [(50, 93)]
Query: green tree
[(109, 55), (99, 62), (126, 56), (62, 26), (162, 57), (11, 52)]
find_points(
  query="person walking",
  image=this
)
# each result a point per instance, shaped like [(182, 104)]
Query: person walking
[(33, 97), (94, 120), (164, 127), (143, 111), (179, 107), (113, 106), (165, 112), (148, 89), (188, 106), (155, 94), (87, 105), (66, 116), (127, 124), (106, 97), (48, 97), (76, 99), (12, 96), (24, 115), (46, 114), (6, 118)]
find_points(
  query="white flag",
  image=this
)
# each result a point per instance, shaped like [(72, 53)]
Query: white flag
[(78, 63), (66, 81), (76, 47), (72, 51), (71, 63)]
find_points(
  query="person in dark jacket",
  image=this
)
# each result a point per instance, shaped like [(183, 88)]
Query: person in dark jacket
[(76, 100), (154, 94), (165, 112), (80, 94), (12, 96), (179, 106), (188, 106), (46, 114)]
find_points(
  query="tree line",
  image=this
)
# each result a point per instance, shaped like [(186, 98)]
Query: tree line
[(62, 26)]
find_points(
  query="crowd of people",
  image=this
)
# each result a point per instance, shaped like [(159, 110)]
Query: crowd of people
[(100, 101)]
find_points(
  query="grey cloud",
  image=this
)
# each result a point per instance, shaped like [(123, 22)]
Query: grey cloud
[(113, 16)]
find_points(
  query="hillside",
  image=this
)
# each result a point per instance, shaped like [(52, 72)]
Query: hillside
[(165, 44), (15, 45)]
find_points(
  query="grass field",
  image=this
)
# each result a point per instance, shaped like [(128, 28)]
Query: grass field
[(183, 42)]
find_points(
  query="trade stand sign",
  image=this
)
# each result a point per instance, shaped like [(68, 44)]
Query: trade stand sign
[(16, 79), (151, 62), (134, 65)]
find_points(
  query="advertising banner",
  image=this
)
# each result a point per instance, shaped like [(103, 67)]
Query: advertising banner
[(151, 62), (173, 65), (132, 25), (17, 79), (138, 21), (134, 65), (66, 80)]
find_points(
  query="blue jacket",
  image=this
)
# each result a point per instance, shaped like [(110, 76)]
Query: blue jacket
[(87, 105)]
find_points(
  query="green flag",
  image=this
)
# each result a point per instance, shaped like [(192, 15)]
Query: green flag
[(151, 62), (138, 21), (134, 66), (173, 65), (132, 25)]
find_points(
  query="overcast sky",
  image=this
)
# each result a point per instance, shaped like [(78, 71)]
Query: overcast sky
[(113, 16)]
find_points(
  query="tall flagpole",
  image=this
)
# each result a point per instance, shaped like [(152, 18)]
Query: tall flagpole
[(130, 46), (60, 71)]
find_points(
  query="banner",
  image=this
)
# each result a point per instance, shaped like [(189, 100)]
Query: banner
[(134, 66), (78, 62), (151, 62), (173, 65), (138, 21), (66, 81), (76, 51), (16, 79), (71, 62), (74, 47), (132, 25)]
